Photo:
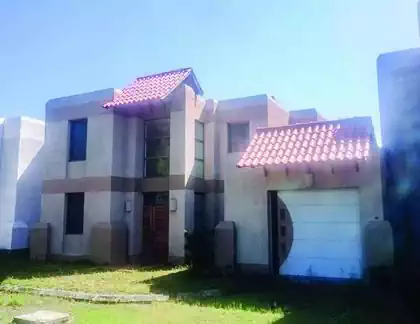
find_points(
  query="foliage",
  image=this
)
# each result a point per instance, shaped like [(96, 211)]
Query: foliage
[(199, 249)]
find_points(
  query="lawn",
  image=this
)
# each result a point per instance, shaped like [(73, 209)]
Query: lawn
[(88, 278), (169, 312), (247, 299)]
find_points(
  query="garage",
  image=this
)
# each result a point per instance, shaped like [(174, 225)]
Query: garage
[(326, 233)]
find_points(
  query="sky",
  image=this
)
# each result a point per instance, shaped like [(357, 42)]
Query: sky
[(308, 54)]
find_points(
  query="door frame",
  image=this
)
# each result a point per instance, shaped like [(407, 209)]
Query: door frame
[(273, 239)]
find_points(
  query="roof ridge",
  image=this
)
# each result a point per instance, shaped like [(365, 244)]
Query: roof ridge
[(318, 122), (163, 73)]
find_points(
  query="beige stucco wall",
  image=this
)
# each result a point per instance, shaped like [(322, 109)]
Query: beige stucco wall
[(246, 200)]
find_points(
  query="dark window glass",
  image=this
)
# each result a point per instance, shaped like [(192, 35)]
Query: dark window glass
[(283, 231), (199, 131), (158, 167), (282, 214), (78, 139), (156, 198), (199, 210), (157, 148), (75, 203), (238, 137), (199, 150), (157, 128)]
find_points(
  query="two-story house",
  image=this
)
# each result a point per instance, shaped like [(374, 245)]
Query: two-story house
[(128, 171)]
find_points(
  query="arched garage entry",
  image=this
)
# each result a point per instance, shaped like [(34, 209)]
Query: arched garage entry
[(326, 237)]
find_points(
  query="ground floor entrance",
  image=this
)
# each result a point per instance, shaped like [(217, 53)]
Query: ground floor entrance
[(155, 227)]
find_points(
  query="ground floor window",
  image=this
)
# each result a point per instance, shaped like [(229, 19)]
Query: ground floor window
[(75, 204), (199, 210)]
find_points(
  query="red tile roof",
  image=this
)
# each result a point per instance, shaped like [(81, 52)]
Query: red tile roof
[(345, 139), (152, 87)]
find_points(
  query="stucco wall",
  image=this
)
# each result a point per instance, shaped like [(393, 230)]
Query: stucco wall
[(246, 199), (246, 205), (107, 151), (21, 163)]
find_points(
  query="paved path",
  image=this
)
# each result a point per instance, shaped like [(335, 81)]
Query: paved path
[(108, 297)]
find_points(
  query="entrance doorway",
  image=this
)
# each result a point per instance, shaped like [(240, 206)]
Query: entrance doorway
[(155, 227)]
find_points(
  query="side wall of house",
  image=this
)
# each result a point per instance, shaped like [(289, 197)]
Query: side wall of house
[(106, 131), (8, 179), (21, 163)]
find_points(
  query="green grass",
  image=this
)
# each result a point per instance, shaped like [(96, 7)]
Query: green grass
[(249, 300), (88, 278), (170, 312)]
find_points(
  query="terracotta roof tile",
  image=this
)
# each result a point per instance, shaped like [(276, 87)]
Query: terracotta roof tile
[(345, 139), (151, 87)]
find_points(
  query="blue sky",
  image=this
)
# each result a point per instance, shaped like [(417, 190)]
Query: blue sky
[(306, 53)]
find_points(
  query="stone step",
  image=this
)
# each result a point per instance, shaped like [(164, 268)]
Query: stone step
[(42, 317)]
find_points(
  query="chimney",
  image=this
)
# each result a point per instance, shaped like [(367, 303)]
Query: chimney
[(304, 116)]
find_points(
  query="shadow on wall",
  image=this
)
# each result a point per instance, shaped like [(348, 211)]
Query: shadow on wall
[(28, 199)]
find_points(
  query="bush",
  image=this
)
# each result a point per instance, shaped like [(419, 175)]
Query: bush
[(199, 249)]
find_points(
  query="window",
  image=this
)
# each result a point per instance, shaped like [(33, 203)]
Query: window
[(199, 150), (75, 204), (157, 148), (199, 210), (238, 137), (78, 139)]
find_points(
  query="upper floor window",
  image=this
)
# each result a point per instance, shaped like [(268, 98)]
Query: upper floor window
[(78, 139), (157, 148), (238, 137), (199, 150)]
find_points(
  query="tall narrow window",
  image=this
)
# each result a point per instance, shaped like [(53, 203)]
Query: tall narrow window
[(75, 204), (199, 210), (78, 139), (157, 148), (238, 137), (199, 150)]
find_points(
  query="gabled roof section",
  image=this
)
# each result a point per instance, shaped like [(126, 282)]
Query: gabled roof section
[(154, 87), (343, 139)]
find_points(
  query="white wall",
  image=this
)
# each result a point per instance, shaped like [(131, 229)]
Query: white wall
[(21, 163)]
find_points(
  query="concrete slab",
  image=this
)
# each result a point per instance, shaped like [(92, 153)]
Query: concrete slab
[(42, 317)]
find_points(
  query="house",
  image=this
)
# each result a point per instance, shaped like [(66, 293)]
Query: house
[(21, 141), (128, 171), (399, 103)]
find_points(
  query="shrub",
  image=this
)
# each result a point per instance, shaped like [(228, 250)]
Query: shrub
[(199, 249)]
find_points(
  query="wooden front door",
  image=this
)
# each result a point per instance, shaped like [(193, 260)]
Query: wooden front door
[(156, 227)]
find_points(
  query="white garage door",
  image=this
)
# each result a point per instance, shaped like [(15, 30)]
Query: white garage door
[(326, 234)]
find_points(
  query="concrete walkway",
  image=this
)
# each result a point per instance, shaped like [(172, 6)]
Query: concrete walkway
[(88, 297), (107, 298)]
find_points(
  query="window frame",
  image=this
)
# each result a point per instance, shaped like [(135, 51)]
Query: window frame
[(229, 135), (73, 154), (201, 141), (77, 230), (160, 157)]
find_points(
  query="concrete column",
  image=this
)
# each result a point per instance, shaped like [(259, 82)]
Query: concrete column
[(182, 155), (53, 209)]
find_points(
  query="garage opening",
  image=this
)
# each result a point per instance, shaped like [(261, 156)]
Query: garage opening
[(318, 231)]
